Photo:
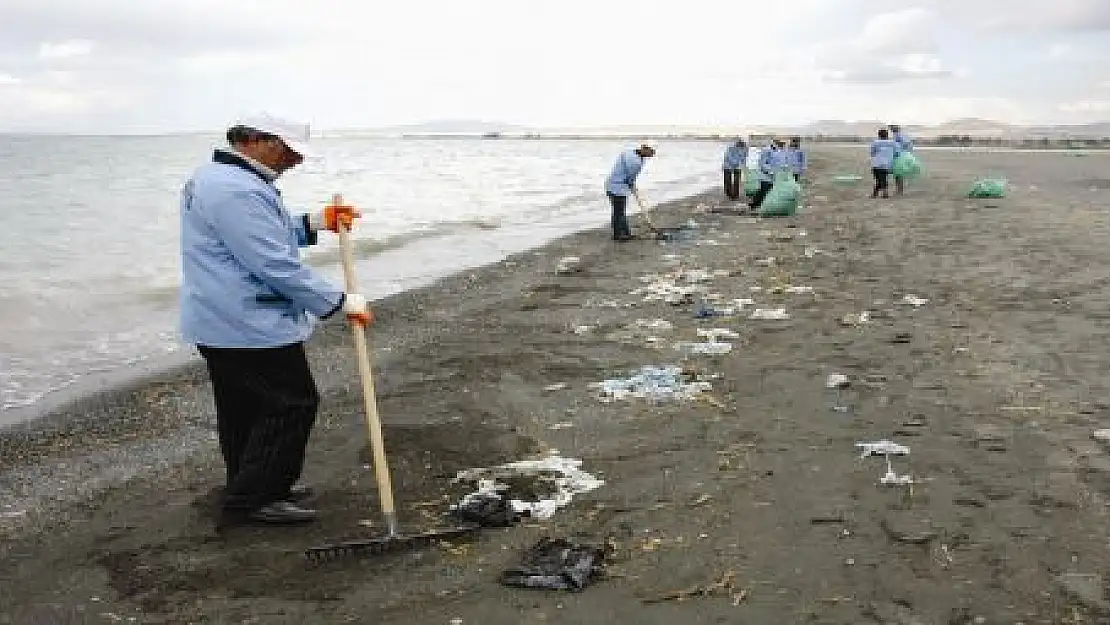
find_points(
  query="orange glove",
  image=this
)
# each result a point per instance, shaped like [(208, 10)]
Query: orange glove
[(335, 215), (357, 309)]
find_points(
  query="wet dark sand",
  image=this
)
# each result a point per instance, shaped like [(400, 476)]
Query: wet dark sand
[(996, 383)]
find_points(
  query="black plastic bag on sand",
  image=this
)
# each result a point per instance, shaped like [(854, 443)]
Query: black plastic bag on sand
[(488, 511), (556, 564)]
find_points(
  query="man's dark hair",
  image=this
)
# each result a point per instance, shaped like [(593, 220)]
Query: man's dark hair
[(238, 135), (884, 133)]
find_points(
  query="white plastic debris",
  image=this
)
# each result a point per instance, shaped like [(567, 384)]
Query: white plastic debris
[(852, 319), (836, 380), (890, 478), (773, 314), (582, 329), (569, 264), (914, 300), (551, 388), (653, 383), (655, 324), (716, 334), (710, 348), (799, 290), (765, 262), (564, 474), (882, 448), (1102, 436)]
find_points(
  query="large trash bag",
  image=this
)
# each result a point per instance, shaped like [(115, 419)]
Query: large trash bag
[(782, 200), (751, 182), (906, 165), (988, 188)]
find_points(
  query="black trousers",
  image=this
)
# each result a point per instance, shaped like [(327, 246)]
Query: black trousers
[(882, 181), (266, 401), (732, 184), (620, 216), (764, 189)]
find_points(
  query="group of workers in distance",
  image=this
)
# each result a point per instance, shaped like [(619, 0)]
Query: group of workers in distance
[(778, 156)]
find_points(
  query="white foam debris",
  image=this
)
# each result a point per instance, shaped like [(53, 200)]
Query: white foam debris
[(914, 300), (882, 448), (774, 314), (716, 334), (654, 383), (564, 475), (836, 380)]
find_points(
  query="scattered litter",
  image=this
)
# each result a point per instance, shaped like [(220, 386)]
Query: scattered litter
[(671, 258), (737, 305), (1102, 436), (836, 380), (724, 585), (853, 319), (563, 425), (655, 324), (893, 479), (798, 290), (882, 448), (653, 383), (811, 252), (608, 303), (13, 514), (556, 564), (765, 262), (533, 488), (568, 264), (914, 300), (776, 314), (582, 329), (551, 388), (716, 334), (711, 348)]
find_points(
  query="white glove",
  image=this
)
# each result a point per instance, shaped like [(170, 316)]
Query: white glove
[(357, 309)]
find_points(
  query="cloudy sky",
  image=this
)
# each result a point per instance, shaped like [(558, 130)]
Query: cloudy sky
[(169, 65)]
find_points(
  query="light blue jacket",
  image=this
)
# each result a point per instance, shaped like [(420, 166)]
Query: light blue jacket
[(903, 141), (242, 281), (797, 159), (771, 162), (622, 179), (735, 157), (883, 152)]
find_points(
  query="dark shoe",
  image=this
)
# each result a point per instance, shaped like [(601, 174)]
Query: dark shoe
[(624, 237), (282, 513), (300, 492)]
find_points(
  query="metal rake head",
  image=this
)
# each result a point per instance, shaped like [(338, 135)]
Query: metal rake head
[(385, 545)]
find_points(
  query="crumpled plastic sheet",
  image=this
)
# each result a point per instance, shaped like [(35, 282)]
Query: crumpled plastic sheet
[(882, 448), (493, 503), (655, 383), (556, 564), (677, 287)]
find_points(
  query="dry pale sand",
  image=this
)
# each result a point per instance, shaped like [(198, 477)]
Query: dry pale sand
[(996, 384)]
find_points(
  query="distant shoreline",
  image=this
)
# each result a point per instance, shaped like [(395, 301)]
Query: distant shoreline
[(941, 141)]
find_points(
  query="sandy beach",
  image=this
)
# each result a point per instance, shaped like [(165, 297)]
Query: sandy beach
[(982, 350)]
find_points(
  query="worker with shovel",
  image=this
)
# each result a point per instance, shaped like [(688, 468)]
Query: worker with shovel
[(247, 304), (621, 183)]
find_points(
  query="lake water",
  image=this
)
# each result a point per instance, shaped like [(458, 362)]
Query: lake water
[(89, 260)]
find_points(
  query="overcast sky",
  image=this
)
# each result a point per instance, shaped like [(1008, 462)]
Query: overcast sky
[(166, 65)]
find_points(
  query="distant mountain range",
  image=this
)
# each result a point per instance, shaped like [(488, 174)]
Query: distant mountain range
[(970, 127)]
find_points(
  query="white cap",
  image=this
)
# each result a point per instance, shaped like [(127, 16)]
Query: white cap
[(293, 134)]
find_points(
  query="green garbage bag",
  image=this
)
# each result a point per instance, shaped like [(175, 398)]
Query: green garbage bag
[(906, 165), (782, 200), (988, 188), (751, 182)]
